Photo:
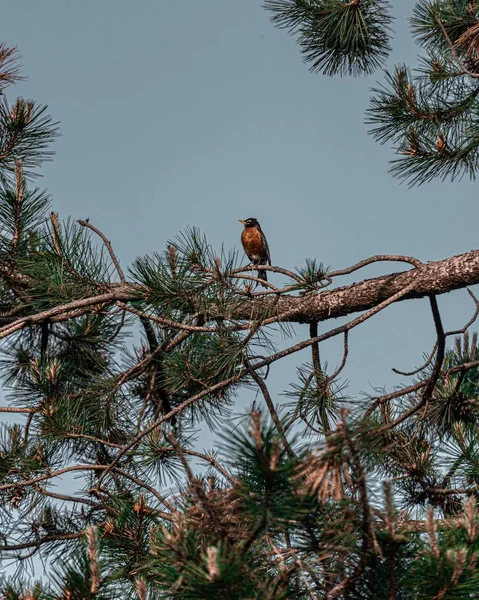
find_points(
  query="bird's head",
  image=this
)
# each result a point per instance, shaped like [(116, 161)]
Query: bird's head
[(250, 222)]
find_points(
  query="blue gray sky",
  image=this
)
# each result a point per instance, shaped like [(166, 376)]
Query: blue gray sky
[(200, 113)]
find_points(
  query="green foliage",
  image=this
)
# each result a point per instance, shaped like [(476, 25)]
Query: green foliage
[(218, 571), (454, 404), (26, 132), (337, 37), (456, 16), (20, 590), (287, 506), (431, 118), (203, 360), (66, 266), (431, 123), (449, 566), (316, 398), (266, 473), (21, 220), (313, 274)]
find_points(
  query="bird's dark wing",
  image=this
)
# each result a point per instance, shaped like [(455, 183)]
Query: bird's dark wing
[(266, 248)]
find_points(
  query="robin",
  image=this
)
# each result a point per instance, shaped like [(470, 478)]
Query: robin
[(255, 245)]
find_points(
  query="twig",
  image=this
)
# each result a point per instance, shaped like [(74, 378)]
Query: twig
[(368, 537), (27, 427), (393, 395), (91, 438), (156, 389), (164, 322), (93, 557), (343, 361), (471, 320), (65, 498), (58, 249), (207, 458), (144, 485), (18, 208), (459, 62), (14, 409), (333, 332), (44, 540), (274, 415), (108, 247), (66, 311), (377, 258), (445, 335), (441, 346), (179, 450), (321, 386), (272, 269), (72, 468), (419, 369), (391, 425), (51, 475), (175, 411)]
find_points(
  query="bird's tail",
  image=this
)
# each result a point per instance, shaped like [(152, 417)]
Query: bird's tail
[(263, 275)]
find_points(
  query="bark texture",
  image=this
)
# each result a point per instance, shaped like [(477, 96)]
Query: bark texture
[(432, 278)]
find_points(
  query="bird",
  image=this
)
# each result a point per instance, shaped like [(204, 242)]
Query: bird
[(255, 245)]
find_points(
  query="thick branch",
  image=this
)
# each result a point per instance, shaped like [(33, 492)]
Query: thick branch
[(434, 278)]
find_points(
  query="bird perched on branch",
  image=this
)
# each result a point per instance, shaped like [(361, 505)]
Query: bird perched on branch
[(255, 245)]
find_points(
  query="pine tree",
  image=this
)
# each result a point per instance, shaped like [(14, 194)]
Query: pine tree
[(428, 114), (319, 496)]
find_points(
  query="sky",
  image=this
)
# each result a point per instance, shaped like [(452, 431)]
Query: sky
[(177, 114)]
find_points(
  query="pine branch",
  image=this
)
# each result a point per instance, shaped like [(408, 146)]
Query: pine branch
[(274, 415), (337, 36), (108, 246), (48, 539), (9, 66), (462, 66), (433, 278), (267, 517), (26, 131)]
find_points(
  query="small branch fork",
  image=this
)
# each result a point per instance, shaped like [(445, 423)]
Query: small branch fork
[(430, 383), (462, 331)]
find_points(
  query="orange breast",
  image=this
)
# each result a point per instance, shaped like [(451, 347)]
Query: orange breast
[(253, 243)]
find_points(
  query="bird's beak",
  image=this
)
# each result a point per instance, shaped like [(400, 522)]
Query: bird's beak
[(241, 221)]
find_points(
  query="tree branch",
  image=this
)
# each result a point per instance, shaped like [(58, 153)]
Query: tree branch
[(44, 540), (462, 66), (434, 278)]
